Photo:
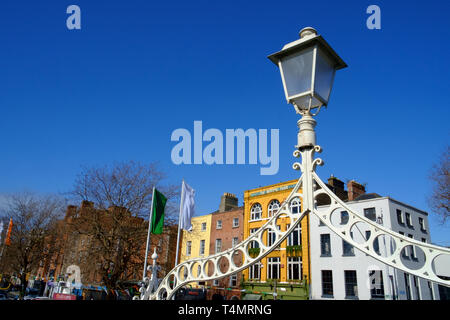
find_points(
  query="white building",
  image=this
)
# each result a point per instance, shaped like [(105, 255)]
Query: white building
[(340, 271)]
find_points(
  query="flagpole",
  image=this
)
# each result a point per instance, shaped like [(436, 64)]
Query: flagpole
[(179, 221), (148, 234)]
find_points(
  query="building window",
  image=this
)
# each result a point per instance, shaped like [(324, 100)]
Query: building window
[(255, 271), (327, 283), (407, 286), (219, 224), (218, 245), (344, 217), (376, 284), (400, 217), (202, 247), (204, 226), (216, 283), (351, 284), (412, 249), (347, 248), (271, 236), (274, 205), (325, 245), (255, 212), (405, 250), (295, 237), (199, 271), (370, 213), (408, 220), (376, 246), (422, 225), (233, 280), (253, 244), (424, 240), (234, 242), (188, 248), (416, 285), (295, 205), (273, 268), (295, 269), (235, 222)]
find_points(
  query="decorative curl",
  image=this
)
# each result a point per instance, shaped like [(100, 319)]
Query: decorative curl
[(297, 166), (317, 162), (317, 149), (296, 153)]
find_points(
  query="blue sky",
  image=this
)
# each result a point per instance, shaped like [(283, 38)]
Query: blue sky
[(137, 70)]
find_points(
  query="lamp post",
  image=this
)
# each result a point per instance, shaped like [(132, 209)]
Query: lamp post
[(307, 66)]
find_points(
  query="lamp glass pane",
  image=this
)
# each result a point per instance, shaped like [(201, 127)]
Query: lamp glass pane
[(297, 72), (324, 75)]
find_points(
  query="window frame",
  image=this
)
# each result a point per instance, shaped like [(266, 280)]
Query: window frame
[(254, 212), (272, 264), (329, 282), (373, 291), (188, 248), (234, 224), (322, 245), (218, 241), (422, 224), (350, 247), (400, 219), (291, 237), (202, 241), (290, 268), (353, 285), (295, 203), (271, 210), (408, 219), (369, 214)]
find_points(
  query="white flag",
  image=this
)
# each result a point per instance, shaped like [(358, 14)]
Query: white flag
[(1, 230), (187, 211)]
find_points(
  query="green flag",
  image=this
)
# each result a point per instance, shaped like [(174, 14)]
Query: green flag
[(159, 202)]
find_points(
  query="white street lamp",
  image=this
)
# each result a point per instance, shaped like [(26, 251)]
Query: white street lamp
[(307, 68)]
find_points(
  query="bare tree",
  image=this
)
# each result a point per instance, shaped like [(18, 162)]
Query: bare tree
[(34, 220), (114, 231), (439, 200)]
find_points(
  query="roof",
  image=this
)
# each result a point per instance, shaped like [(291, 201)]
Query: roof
[(367, 196)]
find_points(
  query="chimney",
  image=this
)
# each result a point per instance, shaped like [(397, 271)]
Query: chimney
[(87, 204), (71, 212), (354, 189), (228, 202), (335, 183)]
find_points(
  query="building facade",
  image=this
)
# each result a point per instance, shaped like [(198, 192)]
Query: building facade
[(227, 230), (72, 247), (340, 271), (196, 243), (285, 272)]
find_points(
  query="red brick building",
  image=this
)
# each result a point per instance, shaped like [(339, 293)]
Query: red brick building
[(70, 247), (227, 230)]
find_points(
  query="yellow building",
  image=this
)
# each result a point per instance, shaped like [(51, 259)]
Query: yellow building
[(290, 262), (195, 244)]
